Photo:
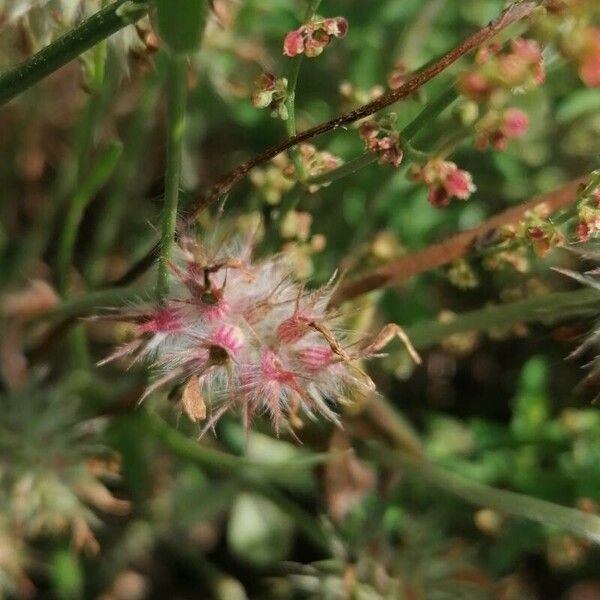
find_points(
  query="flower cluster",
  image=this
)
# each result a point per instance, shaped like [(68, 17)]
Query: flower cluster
[(382, 138), (534, 230), (497, 127), (241, 334), (53, 468), (498, 71), (280, 175), (588, 213), (569, 24), (317, 163), (271, 92), (444, 180), (311, 38), (300, 245), (353, 97)]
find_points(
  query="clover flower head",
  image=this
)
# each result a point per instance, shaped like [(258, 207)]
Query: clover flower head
[(239, 333)]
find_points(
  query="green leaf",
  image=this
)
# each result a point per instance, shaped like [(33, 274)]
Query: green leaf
[(531, 404), (577, 104), (259, 532), (67, 574), (181, 23)]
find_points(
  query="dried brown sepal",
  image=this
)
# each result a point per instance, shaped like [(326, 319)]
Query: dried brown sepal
[(192, 402), (386, 335)]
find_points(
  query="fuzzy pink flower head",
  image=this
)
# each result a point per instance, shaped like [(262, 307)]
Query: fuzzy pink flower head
[(272, 369), (293, 44), (515, 123), (240, 334)]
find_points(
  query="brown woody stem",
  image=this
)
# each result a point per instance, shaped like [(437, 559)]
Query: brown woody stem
[(452, 248)]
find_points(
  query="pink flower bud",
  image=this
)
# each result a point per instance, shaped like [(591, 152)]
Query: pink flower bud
[(515, 123), (293, 44), (528, 50), (583, 232), (272, 368), (438, 196), (293, 329), (337, 26), (459, 183)]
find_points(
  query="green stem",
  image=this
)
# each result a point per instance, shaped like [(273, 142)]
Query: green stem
[(548, 308), (87, 190), (71, 45), (512, 503), (290, 123), (94, 302), (260, 477), (175, 133), (122, 187)]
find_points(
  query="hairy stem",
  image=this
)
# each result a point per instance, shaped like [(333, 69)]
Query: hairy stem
[(175, 132), (547, 308), (96, 28), (505, 501)]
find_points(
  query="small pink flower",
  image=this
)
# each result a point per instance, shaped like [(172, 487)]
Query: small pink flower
[(314, 47), (474, 85), (528, 50), (293, 44), (459, 183), (583, 232), (228, 337), (312, 38), (316, 358), (338, 27), (515, 123), (445, 181), (164, 320)]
